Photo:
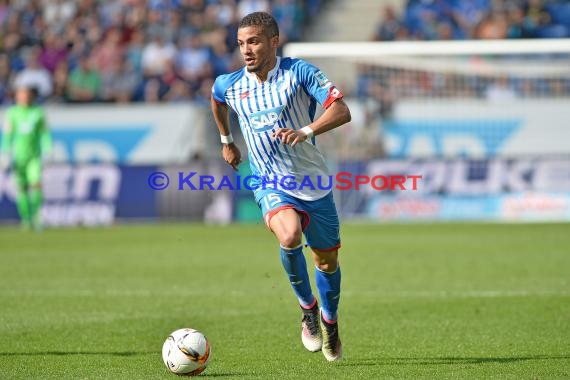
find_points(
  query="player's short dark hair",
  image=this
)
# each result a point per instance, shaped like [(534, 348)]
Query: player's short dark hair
[(263, 19)]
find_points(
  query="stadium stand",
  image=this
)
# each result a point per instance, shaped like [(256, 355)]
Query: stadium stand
[(467, 20), (129, 50), (478, 19)]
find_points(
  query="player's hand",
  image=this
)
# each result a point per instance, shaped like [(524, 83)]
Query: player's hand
[(290, 136), (231, 155)]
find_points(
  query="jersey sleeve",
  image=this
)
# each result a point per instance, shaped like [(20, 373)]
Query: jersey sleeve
[(219, 90), (317, 85)]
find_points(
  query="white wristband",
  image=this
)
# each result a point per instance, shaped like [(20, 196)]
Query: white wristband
[(227, 139), (307, 131)]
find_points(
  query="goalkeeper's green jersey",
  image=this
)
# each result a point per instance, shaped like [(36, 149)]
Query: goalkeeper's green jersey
[(27, 136)]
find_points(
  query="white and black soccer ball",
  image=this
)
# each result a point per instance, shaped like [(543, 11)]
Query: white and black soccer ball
[(186, 352)]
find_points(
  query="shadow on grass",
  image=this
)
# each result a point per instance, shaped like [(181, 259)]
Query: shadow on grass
[(224, 374), (66, 353), (120, 353), (447, 360)]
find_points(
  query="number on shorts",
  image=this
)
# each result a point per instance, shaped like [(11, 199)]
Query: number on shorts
[(271, 200)]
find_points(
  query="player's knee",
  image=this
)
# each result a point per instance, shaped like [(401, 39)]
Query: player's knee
[(328, 267), (290, 238), (326, 261)]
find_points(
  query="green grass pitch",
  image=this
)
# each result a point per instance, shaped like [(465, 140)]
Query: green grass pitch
[(444, 301)]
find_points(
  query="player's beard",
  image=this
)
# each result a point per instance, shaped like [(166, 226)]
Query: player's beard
[(254, 69), (257, 68)]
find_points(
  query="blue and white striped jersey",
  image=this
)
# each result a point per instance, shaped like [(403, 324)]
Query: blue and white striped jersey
[(287, 99)]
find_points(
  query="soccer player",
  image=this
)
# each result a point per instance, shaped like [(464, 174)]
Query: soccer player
[(25, 141), (275, 99)]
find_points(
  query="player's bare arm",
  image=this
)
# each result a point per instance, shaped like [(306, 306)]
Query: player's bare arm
[(230, 151), (334, 116)]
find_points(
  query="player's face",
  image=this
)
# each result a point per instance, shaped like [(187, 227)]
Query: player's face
[(256, 48), (23, 96)]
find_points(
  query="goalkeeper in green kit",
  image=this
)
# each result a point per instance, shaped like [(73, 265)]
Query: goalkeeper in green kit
[(26, 140)]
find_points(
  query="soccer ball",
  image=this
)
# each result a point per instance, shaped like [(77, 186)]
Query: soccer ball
[(186, 352)]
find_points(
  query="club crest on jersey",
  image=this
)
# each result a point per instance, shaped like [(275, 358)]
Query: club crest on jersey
[(324, 82), (265, 120)]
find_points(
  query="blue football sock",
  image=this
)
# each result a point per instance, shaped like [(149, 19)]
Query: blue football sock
[(296, 267), (328, 284)]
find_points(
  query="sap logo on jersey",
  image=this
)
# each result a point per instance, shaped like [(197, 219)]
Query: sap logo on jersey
[(265, 120)]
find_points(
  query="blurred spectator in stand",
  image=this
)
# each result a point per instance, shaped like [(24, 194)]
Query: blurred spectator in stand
[(60, 76), (379, 106), (13, 39), (204, 93), (493, 26), (500, 90), (91, 32), (246, 7), (57, 13), (111, 14), (32, 22), (134, 52), (84, 82), (152, 91), (154, 23), (78, 50), (387, 29), (168, 77), (34, 75), (34, 35), (445, 31), (480, 19), (108, 52), (466, 15), (288, 16), (5, 79), (133, 21), (429, 25), (53, 52), (142, 32), (536, 16), (225, 11), (179, 92), (221, 59), (193, 8), (517, 27), (557, 87), (193, 61), (4, 11), (210, 26), (156, 56), (119, 83), (174, 27)]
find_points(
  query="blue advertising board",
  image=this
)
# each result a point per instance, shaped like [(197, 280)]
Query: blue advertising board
[(97, 194)]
